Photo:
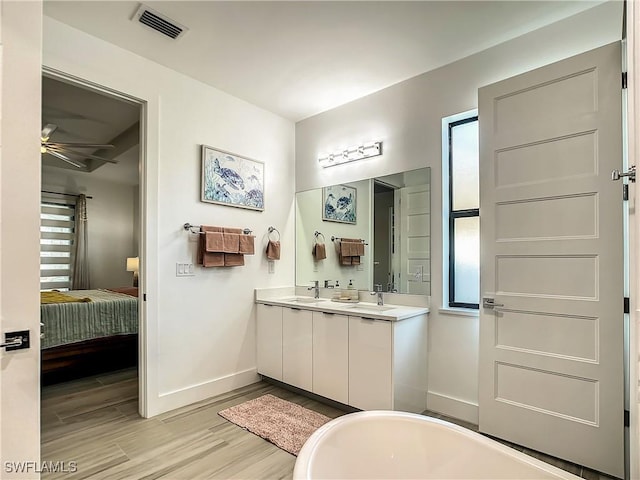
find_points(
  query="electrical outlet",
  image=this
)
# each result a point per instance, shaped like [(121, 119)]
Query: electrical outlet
[(184, 269)]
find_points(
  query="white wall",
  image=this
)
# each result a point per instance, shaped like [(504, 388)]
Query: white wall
[(200, 330), (20, 231), (110, 223), (407, 118), (309, 220)]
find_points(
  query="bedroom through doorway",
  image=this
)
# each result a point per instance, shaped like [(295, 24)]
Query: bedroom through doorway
[(91, 226)]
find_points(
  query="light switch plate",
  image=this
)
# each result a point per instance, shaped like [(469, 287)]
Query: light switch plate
[(271, 266), (185, 269)]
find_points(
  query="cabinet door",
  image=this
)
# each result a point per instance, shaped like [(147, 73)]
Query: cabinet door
[(331, 356), (297, 333), (370, 364), (269, 341)]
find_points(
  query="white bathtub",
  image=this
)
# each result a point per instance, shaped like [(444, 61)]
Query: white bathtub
[(386, 444)]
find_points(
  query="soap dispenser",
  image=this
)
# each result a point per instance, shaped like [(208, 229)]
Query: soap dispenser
[(337, 293), (351, 291)]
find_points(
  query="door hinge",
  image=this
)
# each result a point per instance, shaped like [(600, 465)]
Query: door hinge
[(625, 192), (626, 305), (627, 421), (624, 80), (144, 297)]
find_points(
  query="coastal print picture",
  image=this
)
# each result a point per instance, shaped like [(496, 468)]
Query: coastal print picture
[(339, 204), (229, 179)]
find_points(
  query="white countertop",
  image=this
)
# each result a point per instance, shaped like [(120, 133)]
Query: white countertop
[(361, 309)]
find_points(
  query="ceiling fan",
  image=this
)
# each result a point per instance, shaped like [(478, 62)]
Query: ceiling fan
[(67, 151)]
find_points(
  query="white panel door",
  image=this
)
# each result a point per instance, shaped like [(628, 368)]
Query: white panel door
[(20, 115), (551, 358), (415, 219)]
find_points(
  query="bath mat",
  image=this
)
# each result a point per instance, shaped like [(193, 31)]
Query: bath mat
[(278, 421)]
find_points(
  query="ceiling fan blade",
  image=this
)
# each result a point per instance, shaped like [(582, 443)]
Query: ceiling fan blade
[(82, 145), (66, 159), (48, 130), (59, 149)]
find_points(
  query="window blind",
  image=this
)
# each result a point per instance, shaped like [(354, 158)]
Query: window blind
[(57, 226)]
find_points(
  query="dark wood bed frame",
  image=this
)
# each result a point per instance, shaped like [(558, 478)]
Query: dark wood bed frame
[(81, 359), (90, 357)]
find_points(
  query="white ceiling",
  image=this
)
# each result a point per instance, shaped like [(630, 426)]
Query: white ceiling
[(300, 58), (87, 116)]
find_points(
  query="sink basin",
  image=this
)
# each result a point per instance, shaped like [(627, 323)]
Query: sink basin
[(303, 299), (373, 308)]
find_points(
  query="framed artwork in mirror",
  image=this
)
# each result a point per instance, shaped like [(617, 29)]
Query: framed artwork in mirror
[(339, 204), (230, 179)]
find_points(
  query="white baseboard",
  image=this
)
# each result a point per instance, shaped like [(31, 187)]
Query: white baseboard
[(453, 407), (194, 393)]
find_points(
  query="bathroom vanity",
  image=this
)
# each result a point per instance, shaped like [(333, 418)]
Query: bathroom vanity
[(368, 356)]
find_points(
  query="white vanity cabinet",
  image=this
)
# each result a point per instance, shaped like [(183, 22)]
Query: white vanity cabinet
[(372, 363), (269, 335), (297, 345), (388, 364), (331, 356)]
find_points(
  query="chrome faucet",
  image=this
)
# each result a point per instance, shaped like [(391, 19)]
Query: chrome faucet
[(378, 291), (315, 288)]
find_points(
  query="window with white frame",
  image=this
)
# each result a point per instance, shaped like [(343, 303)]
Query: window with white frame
[(57, 225), (461, 211)]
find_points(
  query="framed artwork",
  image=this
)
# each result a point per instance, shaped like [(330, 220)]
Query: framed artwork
[(229, 179), (339, 204)]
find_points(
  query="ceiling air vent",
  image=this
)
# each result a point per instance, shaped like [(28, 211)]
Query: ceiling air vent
[(159, 22)]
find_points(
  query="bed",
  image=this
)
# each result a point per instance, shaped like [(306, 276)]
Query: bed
[(88, 332)]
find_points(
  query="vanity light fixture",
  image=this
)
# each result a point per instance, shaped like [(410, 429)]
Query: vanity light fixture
[(350, 154)]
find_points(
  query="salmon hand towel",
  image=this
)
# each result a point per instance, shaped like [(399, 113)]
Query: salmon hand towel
[(208, 259), (247, 246), (231, 242), (214, 241), (319, 251), (273, 250)]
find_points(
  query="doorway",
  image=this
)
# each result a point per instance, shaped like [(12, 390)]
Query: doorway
[(384, 200), (92, 146)]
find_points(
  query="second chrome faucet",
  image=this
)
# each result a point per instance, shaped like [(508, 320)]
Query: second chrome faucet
[(378, 292), (316, 289)]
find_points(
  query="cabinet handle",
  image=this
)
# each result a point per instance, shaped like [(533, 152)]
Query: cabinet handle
[(369, 318), (328, 313), (293, 308)]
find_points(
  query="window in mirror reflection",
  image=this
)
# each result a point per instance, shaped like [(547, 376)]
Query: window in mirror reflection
[(464, 213)]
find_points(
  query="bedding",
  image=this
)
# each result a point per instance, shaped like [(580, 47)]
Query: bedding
[(59, 297), (107, 314)]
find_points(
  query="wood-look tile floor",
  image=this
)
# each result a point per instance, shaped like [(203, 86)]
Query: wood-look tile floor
[(95, 422)]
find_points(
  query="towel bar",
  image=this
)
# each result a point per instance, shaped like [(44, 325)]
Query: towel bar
[(333, 239), (189, 227)]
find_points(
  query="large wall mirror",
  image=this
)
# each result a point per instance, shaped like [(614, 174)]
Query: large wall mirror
[(390, 214)]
